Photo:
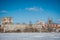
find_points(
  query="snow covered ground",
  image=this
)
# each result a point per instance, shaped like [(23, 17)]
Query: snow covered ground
[(29, 36)]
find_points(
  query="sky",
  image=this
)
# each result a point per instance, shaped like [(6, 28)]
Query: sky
[(23, 11)]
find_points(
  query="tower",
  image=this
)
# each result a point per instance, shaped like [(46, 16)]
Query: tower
[(49, 25), (49, 21)]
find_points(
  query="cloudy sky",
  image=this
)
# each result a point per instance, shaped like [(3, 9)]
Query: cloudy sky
[(30, 10)]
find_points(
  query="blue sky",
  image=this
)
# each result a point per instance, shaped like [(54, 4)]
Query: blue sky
[(24, 11)]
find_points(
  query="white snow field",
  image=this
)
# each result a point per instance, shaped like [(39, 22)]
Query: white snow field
[(29, 36)]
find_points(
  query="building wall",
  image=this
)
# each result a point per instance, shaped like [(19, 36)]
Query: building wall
[(7, 20)]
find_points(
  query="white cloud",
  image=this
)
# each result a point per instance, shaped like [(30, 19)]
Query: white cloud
[(34, 9), (3, 11)]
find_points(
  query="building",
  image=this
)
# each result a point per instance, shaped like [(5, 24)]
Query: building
[(52, 27), (41, 26), (7, 20), (8, 26)]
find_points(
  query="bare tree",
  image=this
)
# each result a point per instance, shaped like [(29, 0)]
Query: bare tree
[(18, 30), (27, 29)]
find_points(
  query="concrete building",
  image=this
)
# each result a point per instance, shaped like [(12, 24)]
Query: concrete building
[(41, 26), (8, 26), (7, 20), (7, 23)]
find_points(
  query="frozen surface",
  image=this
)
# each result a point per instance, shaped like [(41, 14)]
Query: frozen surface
[(29, 36)]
